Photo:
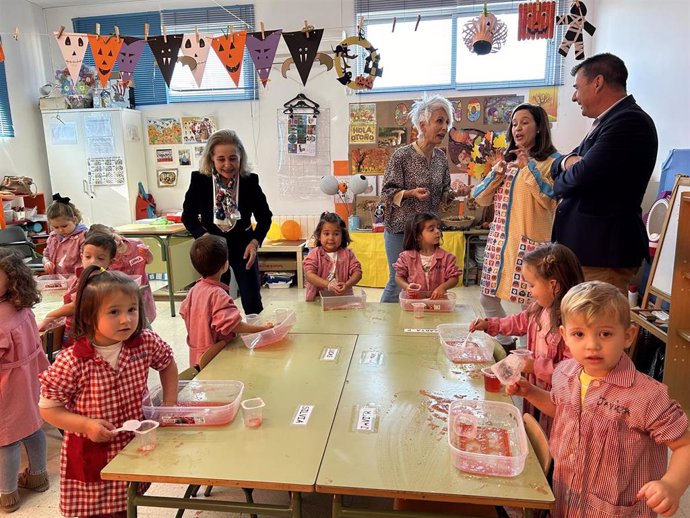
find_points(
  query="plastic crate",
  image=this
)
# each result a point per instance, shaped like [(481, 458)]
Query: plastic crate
[(355, 299), (279, 331), (445, 305), (53, 282), (199, 403), (498, 444), (478, 348)]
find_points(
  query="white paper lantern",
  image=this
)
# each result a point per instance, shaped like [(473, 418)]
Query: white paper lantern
[(358, 184), (329, 185)]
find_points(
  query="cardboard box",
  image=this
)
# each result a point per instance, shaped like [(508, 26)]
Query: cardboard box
[(53, 103), (275, 262)]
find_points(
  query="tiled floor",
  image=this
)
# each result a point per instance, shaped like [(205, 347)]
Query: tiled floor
[(45, 505)]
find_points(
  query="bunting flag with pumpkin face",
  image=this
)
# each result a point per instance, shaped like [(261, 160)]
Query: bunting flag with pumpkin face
[(536, 20), (230, 50), (263, 51), (2, 52), (129, 55), (195, 49), (73, 47), (165, 53), (105, 51), (303, 49)]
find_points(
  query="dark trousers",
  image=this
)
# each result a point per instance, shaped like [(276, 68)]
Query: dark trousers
[(248, 282)]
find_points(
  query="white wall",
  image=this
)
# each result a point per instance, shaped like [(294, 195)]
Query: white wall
[(26, 71)]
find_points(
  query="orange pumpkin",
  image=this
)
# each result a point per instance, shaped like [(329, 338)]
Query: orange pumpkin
[(230, 50), (536, 20), (105, 52)]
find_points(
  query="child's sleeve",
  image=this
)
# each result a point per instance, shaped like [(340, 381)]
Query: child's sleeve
[(49, 250), (451, 267), (664, 418), (161, 354), (311, 263), (60, 382), (4, 344), (401, 266), (515, 325), (225, 315), (355, 265)]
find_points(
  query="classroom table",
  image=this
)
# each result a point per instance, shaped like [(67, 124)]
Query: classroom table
[(278, 455), (410, 383), (170, 252)]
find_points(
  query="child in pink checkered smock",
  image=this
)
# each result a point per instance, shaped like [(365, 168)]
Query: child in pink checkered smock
[(99, 383), (63, 246)]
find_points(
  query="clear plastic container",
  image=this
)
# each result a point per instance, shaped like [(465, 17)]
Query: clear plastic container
[(279, 330), (352, 299), (461, 346), (252, 412), (509, 369), (145, 436), (498, 446), (199, 403), (445, 305), (53, 282)]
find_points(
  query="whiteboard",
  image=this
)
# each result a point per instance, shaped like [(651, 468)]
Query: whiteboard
[(663, 272)]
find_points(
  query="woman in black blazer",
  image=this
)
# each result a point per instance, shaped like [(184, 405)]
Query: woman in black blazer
[(224, 175)]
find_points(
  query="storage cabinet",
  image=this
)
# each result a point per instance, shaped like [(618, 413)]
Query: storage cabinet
[(96, 158)]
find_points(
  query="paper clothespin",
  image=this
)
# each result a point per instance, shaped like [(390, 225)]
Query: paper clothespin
[(98, 30), (231, 31), (394, 20), (196, 33), (419, 19), (117, 33), (359, 25), (60, 31), (261, 25), (146, 31), (165, 36), (15, 34), (306, 28)]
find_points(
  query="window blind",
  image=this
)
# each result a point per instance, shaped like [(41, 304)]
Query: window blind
[(6, 127)]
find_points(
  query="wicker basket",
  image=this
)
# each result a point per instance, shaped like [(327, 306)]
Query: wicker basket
[(460, 223)]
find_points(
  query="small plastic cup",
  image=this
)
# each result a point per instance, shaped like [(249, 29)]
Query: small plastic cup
[(413, 290), (252, 412), (145, 436), (418, 308), (523, 353), (252, 318), (281, 314), (491, 381), (465, 425), (509, 369)]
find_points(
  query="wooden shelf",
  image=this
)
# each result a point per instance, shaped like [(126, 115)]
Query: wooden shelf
[(684, 334)]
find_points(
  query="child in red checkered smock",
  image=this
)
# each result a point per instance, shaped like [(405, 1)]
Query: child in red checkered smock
[(99, 383), (550, 271), (21, 360), (613, 425)]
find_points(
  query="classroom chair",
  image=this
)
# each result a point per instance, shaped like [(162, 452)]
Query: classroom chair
[(15, 238), (52, 341)]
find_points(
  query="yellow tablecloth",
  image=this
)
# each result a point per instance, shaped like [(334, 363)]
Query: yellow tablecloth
[(370, 251)]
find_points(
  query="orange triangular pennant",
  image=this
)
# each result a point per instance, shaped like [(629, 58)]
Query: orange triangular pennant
[(105, 51), (230, 50)]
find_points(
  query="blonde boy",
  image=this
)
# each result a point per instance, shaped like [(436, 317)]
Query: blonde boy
[(612, 424)]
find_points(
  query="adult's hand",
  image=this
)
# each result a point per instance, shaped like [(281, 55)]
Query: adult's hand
[(421, 193), (522, 157), (571, 161), (250, 253)]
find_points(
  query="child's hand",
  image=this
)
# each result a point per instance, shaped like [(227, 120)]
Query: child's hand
[(46, 324), (660, 496), (521, 388), (438, 293), (49, 267), (267, 325), (336, 287), (99, 430), (481, 324)]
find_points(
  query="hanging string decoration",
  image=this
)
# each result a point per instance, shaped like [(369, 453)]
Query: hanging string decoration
[(195, 49), (576, 23), (372, 67), (165, 49), (73, 47), (485, 33), (230, 50), (536, 20), (130, 52), (262, 48), (303, 46), (105, 51)]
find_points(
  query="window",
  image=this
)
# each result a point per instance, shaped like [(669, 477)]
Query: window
[(150, 87), (6, 128), (435, 56)]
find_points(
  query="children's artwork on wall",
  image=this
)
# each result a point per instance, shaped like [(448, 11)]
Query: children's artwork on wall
[(363, 123), (164, 156), (576, 23), (369, 160), (498, 109), (547, 98), (474, 110), (164, 131), (301, 137), (129, 55), (460, 146), (262, 49), (402, 112), (392, 137), (485, 33), (536, 20), (165, 49), (344, 53), (184, 156), (167, 177), (230, 50), (457, 110), (198, 152), (73, 47), (195, 48), (197, 130), (104, 51), (303, 46), (106, 170)]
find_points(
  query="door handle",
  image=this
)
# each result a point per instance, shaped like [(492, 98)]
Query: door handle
[(84, 186)]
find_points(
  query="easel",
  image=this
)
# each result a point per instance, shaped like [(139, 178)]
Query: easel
[(659, 283)]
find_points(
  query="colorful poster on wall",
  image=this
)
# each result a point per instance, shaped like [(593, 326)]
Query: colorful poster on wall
[(164, 156), (301, 139), (369, 160), (363, 123), (547, 98), (164, 131), (392, 137), (499, 108), (106, 171), (166, 177), (184, 156), (197, 130)]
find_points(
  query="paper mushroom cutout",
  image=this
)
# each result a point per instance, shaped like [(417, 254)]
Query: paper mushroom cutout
[(329, 185), (485, 34)]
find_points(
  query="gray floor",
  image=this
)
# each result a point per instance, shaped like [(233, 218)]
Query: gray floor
[(45, 505)]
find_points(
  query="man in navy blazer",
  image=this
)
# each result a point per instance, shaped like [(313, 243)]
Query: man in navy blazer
[(601, 183)]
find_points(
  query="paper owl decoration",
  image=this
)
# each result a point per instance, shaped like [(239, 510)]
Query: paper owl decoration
[(485, 34)]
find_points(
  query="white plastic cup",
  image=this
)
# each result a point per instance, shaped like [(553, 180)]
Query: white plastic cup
[(252, 318), (418, 308), (252, 412), (281, 314), (524, 353), (145, 436)]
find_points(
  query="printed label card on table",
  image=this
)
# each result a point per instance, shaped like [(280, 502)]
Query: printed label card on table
[(371, 357), (330, 354), (302, 415), (365, 418), (427, 330)]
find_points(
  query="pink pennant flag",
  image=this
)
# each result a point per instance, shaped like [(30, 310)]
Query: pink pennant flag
[(195, 48), (73, 47)]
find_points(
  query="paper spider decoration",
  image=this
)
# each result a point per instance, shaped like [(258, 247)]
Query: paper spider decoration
[(536, 20), (485, 33), (576, 23)]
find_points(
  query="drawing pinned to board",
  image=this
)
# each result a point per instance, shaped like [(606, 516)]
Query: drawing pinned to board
[(474, 110), (133, 133), (197, 130), (369, 160), (547, 98), (198, 152), (64, 133), (167, 177), (498, 109), (164, 156), (392, 137), (164, 131), (457, 110), (106, 171), (184, 156), (363, 123), (402, 111)]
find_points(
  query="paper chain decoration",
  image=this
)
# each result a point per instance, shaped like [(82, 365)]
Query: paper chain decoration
[(576, 23)]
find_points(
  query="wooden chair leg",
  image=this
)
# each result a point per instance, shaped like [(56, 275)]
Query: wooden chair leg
[(208, 490), (190, 492), (250, 499)]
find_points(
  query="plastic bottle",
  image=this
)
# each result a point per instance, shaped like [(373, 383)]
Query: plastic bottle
[(632, 295)]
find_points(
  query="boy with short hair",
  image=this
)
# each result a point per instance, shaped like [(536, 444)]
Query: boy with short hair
[(209, 312), (612, 424)]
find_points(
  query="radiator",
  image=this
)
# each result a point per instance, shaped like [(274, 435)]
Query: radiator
[(307, 222)]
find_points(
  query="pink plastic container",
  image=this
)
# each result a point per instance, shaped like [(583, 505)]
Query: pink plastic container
[(478, 348), (445, 305), (275, 334), (54, 282)]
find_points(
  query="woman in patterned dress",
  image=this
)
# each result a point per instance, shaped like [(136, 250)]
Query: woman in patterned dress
[(416, 179), (520, 187)]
